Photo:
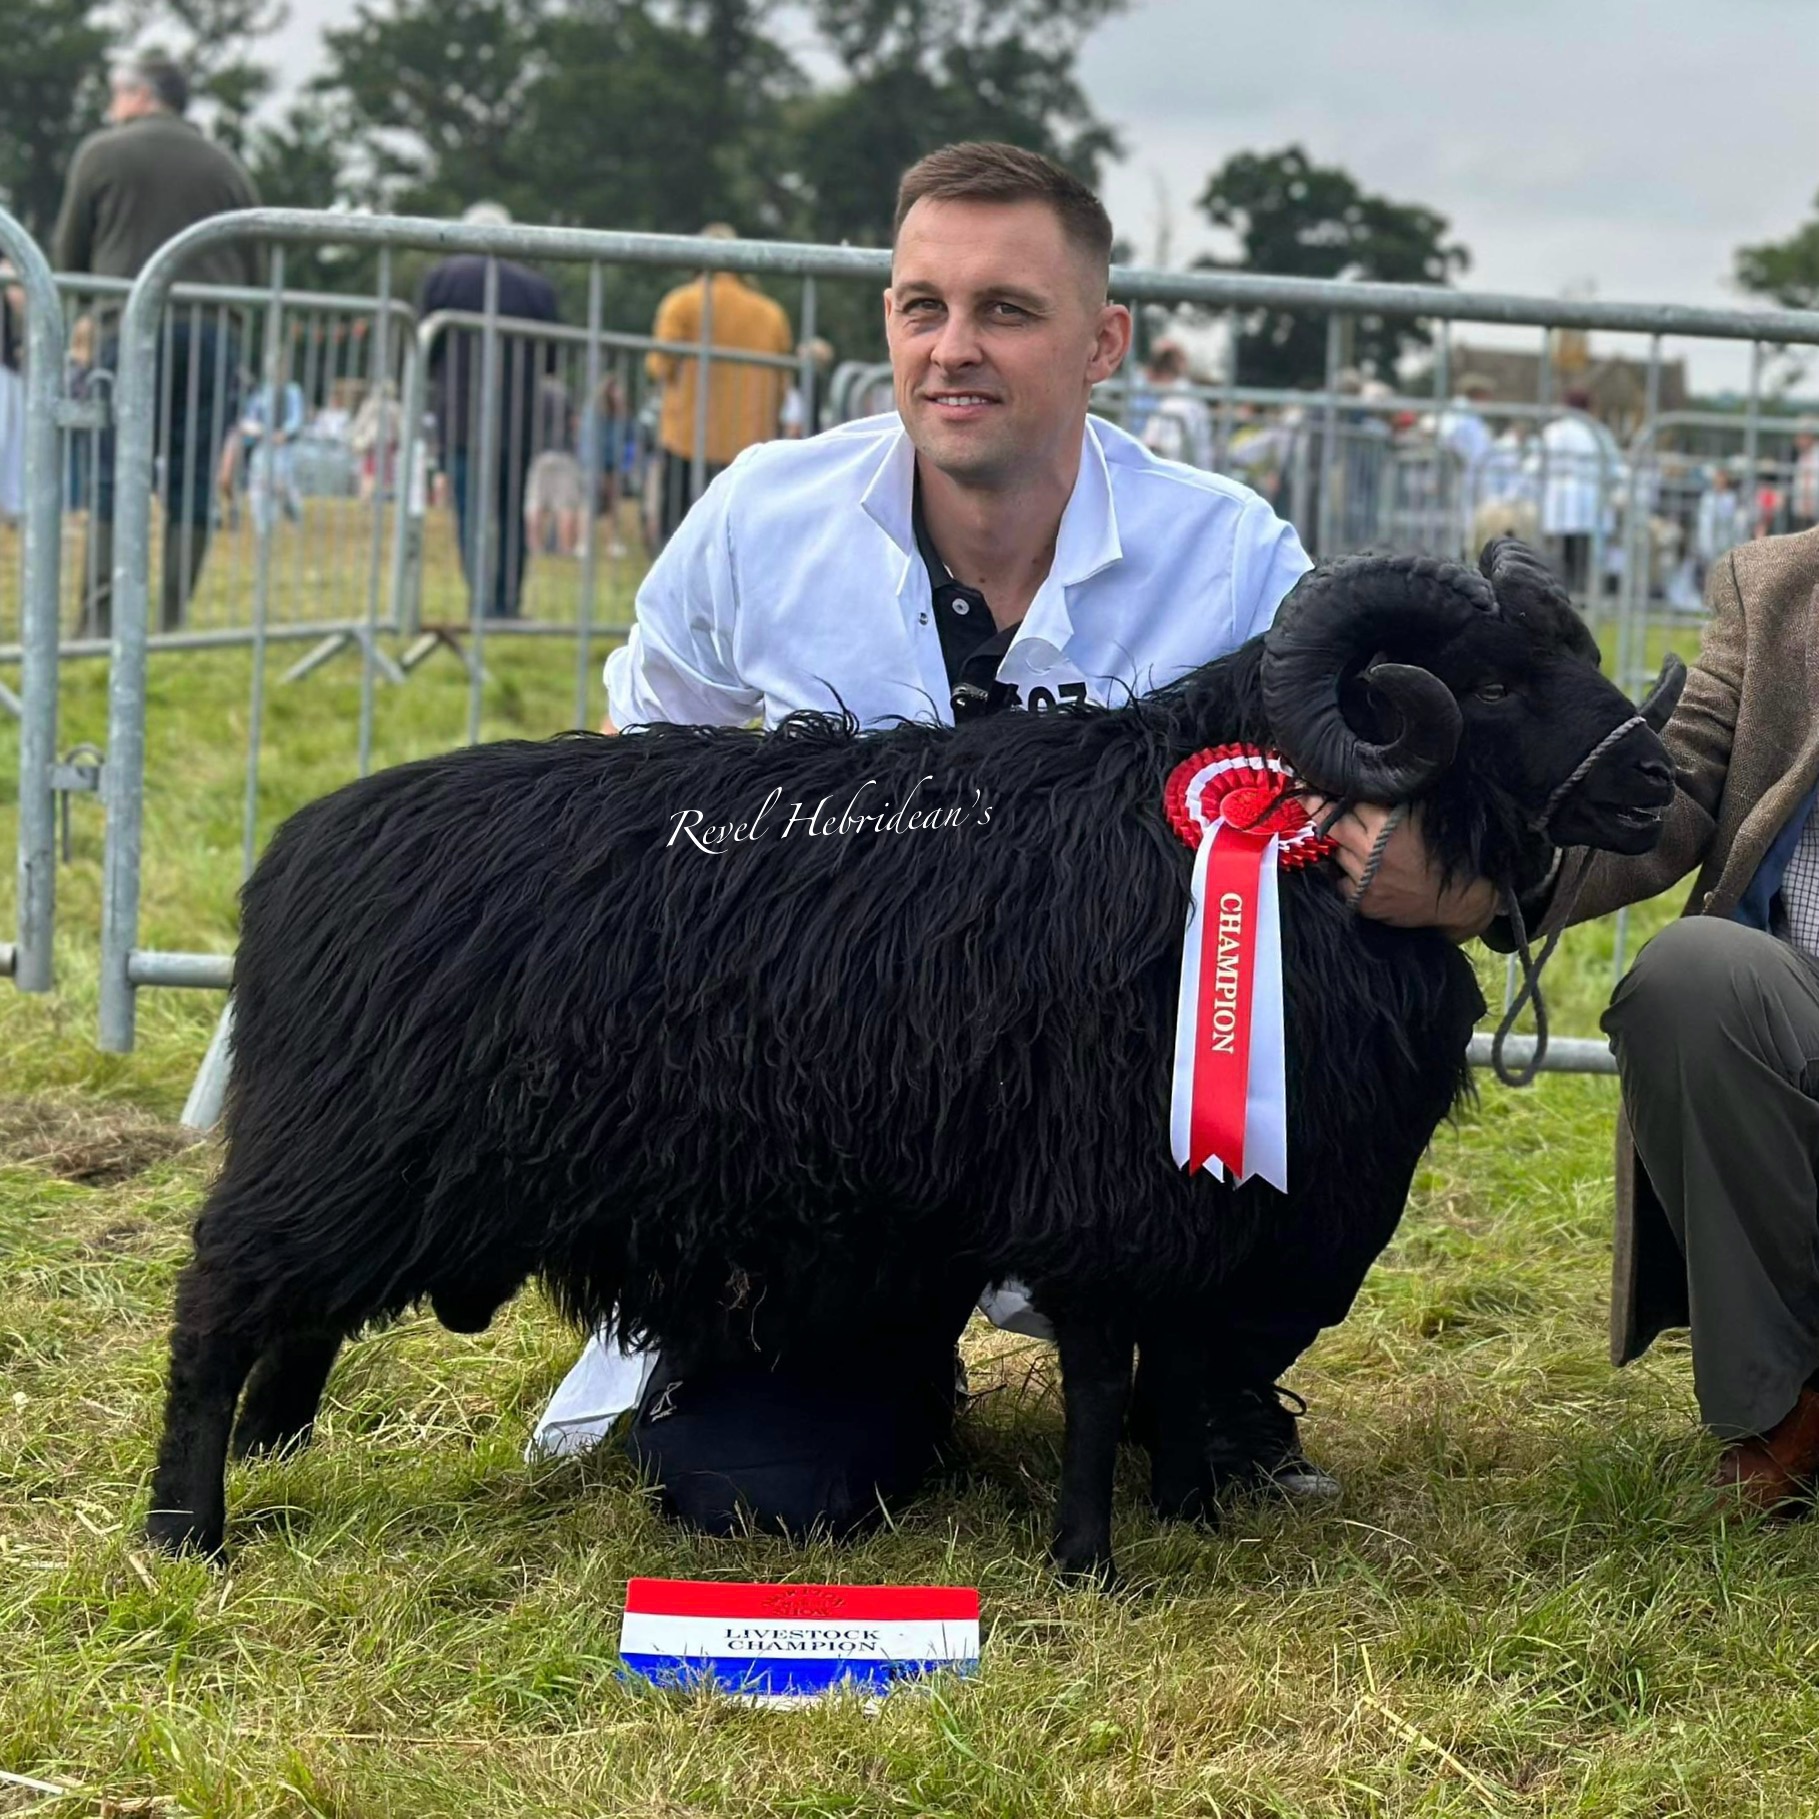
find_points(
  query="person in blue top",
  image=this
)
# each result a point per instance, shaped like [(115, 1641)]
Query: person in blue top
[(489, 507), (269, 434)]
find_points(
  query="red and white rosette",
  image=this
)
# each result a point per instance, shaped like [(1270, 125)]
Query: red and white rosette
[(1229, 1107)]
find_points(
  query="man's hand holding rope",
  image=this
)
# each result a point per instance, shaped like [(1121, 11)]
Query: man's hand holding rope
[(1400, 882)]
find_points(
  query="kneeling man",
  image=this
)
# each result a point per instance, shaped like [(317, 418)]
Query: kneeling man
[(986, 547), (1716, 1033)]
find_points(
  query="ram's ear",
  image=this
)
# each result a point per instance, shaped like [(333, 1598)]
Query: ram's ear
[(1664, 697)]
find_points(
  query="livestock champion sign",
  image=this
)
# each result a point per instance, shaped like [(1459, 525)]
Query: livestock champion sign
[(796, 1641), (1228, 1110)]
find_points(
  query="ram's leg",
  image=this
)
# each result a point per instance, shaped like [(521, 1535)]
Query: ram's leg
[(211, 1354), (278, 1410), (1168, 1417), (1096, 1381)]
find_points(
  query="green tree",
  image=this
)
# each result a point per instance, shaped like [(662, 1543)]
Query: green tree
[(52, 82), (1786, 271), (638, 114), (667, 114), (662, 118), (435, 94), (301, 160), (1295, 218), (921, 73)]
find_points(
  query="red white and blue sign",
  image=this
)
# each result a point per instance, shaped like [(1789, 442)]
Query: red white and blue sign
[(796, 1641)]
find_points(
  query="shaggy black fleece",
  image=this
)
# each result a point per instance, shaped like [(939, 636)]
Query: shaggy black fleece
[(497, 1016), (494, 1016)]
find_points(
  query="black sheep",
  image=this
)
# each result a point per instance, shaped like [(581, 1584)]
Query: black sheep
[(499, 1016)]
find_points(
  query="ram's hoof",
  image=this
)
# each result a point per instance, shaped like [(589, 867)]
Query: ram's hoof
[(260, 1439), (1088, 1565), (178, 1532)]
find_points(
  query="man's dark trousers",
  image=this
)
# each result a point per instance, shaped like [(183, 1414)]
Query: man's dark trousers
[(1716, 1032), (189, 441), (505, 552)]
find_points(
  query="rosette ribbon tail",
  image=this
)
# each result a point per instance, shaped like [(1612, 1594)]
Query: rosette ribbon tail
[(1229, 1104)]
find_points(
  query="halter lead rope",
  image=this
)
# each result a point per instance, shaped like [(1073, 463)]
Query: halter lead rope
[(1374, 859), (1566, 894)]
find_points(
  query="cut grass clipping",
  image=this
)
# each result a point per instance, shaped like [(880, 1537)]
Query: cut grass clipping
[(1523, 1605)]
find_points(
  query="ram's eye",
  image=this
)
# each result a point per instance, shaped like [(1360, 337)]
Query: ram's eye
[(1490, 691)]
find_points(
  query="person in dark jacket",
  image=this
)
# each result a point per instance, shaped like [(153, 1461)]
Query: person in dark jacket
[(143, 179), (497, 502)]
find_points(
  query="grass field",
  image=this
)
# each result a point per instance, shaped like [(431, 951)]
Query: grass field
[(1523, 1605)]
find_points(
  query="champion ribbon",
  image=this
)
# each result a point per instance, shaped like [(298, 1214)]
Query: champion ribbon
[(1229, 1104)]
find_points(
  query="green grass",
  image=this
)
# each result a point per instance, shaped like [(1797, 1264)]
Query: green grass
[(1524, 1604)]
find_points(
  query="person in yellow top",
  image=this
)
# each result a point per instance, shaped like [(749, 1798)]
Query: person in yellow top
[(743, 400)]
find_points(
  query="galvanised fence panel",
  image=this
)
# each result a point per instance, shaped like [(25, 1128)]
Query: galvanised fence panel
[(32, 707), (1342, 478)]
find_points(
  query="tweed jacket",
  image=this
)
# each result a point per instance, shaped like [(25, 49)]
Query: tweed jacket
[(1745, 746)]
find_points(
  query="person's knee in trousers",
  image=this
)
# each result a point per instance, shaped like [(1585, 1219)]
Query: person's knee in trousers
[(783, 1451), (1665, 1008)]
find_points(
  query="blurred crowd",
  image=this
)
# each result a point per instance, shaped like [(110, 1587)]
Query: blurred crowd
[(1405, 473), (628, 442)]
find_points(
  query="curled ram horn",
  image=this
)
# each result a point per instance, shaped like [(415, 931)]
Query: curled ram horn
[(1334, 621), (1520, 578), (1664, 697), (1427, 717)]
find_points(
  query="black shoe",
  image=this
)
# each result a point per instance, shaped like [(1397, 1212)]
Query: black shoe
[(1253, 1446)]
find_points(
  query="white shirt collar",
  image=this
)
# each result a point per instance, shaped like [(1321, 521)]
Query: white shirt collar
[(1085, 544)]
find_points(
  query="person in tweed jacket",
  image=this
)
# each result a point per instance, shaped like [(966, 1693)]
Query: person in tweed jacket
[(1716, 1026)]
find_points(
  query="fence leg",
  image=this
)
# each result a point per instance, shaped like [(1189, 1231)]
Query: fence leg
[(202, 1109), (435, 638), (332, 646), (10, 703), (317, 655)]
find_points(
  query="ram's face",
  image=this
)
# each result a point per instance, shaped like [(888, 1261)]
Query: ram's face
[(1392, 678), (1535, 709)]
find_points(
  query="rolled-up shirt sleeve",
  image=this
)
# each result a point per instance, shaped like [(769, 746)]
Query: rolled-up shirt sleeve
[(677, 666), (1268, 561)]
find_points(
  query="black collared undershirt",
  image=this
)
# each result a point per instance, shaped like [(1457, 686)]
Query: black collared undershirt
[(972, 647)]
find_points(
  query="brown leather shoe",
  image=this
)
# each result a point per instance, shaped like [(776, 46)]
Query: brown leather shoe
[(1776, 1471)]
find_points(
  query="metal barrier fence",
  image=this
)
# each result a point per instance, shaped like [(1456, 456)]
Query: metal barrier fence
[(1408, 487), (28, 959), (546, 469), (125, 967), (224, 439)]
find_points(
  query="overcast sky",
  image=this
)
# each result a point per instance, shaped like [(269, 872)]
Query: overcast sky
[(1625, 146)]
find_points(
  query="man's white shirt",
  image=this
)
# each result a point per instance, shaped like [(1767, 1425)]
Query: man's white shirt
[(795, 582)]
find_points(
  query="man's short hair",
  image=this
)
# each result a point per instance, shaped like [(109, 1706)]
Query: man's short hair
[(982, 170), (159, 74)]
